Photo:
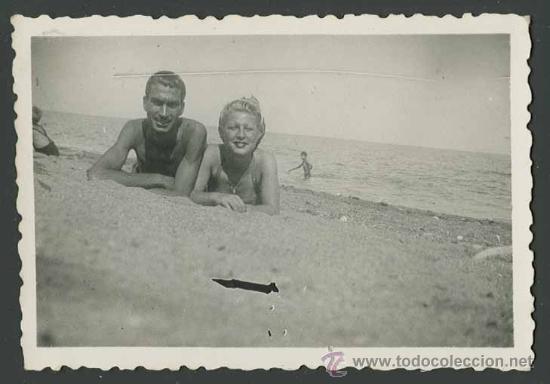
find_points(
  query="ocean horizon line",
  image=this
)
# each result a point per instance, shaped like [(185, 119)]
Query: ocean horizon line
[(212, 127)]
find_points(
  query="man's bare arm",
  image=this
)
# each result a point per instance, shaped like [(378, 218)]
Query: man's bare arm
[(109, 166), (200, 195), (186, 175)]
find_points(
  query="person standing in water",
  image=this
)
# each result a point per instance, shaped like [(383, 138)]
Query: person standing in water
[(237, 174), (40, 139), (306, 165), (169, 147)]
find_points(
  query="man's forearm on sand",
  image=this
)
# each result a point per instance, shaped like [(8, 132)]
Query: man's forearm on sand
[(143, 180)]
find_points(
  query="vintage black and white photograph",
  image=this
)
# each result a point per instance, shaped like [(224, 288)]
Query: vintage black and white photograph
[(281, 190)]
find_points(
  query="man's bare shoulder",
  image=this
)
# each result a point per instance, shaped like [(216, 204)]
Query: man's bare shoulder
[(133, 125), (193, 126), (212, 151), (211, 157), (131, 132)]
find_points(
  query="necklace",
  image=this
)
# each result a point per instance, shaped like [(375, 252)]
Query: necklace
[(235, 186)]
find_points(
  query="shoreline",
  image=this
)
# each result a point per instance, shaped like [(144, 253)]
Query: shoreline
[(349, 198), (99, 133), (441, 215)]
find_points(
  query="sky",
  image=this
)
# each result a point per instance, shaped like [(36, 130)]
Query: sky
[(444, 91)]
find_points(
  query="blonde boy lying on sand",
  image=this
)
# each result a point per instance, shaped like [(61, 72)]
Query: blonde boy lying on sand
[(237, 174), (169, 147)]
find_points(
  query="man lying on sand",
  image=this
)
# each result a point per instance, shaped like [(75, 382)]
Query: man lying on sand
[(236, 174), (40, 139), (169, 148)]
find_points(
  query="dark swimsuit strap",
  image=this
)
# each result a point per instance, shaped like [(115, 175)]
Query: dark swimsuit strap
[(162, 153), (167, 140)]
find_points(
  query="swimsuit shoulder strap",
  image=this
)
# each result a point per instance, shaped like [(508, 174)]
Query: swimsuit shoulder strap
[(179, 135), (144, 128), (144, 134)]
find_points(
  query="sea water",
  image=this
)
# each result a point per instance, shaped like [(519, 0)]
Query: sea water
[(448, 181), (456, 182)]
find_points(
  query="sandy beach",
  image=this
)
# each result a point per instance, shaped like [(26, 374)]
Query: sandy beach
[(121, 266)]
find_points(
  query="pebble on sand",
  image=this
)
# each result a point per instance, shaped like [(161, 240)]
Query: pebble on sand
[(498, 252), (460, 237)]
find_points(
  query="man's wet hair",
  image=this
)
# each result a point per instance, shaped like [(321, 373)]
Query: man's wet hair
[(304, 153), (246, 104), (168, 79)]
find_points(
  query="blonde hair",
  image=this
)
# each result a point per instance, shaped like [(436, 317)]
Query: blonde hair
[(245, 104)]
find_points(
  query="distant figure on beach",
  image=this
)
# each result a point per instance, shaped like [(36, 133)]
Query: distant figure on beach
[(169, 147), (237, 174), (306, 165), (40, 139)]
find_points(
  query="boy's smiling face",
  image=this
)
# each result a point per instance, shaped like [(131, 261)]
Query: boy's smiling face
[(241, 132)]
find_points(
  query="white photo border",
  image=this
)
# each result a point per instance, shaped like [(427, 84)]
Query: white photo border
[(37, 358)]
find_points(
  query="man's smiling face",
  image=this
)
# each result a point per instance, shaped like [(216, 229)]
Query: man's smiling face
[(163, 105)]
